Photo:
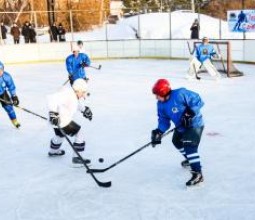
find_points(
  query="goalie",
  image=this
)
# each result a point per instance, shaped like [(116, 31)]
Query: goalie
[(203, 55)]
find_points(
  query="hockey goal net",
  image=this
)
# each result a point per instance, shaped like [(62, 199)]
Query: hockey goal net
[(224, 64)]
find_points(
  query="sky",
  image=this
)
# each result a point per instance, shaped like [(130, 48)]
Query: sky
[(149, 185)]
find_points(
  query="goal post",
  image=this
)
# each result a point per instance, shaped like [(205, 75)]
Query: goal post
[(224, 64)]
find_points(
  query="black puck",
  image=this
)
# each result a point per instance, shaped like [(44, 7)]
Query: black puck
[(101, 160)]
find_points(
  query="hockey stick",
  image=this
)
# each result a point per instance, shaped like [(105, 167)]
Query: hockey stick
[(86, 79), (221, 58), (194, 68), (66, 82), (24, 109), (99, 183), (96, 67), (126, 157)]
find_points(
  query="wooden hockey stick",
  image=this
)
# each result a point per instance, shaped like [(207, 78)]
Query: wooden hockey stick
[(194, 68), (221, 58)]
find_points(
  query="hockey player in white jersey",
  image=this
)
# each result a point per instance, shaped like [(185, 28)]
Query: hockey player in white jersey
[(62, 107), (203, 55)]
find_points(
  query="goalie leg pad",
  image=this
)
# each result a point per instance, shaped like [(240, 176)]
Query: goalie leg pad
[(211, 69), (194, 67)]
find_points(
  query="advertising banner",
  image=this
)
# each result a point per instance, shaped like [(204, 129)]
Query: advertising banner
[(241, 20)]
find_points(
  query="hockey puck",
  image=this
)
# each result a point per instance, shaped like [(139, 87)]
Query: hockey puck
[(101, 160)]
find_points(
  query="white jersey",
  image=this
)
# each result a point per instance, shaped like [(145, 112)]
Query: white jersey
[(66, 103)]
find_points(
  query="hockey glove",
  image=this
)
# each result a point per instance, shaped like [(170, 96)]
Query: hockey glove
[(54, 118), (83, 64), (70, 79), (87, 113), (187, 117), (86, 79), (15, 100), (156, 136)]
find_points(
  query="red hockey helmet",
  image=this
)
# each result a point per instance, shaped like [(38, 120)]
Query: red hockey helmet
[(161, 88)]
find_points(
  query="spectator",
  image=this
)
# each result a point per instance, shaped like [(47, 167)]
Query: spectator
[(195, 27), (61, 33), (3, 32), (32, 34), (54, 33), (15, 32), (25, 32)]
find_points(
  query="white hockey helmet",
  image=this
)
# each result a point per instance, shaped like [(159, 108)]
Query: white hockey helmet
[(80, 85), (75, 47), (205, 39)]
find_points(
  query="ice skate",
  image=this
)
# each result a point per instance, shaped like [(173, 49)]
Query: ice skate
[(196, 179), (15, 123), (56, 153)]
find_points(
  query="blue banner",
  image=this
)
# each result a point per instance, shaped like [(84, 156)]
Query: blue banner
[(241, 21)]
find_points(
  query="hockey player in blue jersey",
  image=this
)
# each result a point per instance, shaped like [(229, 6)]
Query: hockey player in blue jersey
[(8, 96), (181, 107), (75, 64), (204, 53)]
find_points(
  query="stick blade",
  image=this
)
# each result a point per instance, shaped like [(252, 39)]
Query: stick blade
[(105, 184), (96, 170)]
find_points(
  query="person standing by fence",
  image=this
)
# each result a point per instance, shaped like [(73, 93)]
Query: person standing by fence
[(195, 28), (3, 32), (15, 32), (61, 33)]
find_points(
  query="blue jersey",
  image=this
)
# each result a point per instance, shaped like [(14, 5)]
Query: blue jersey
[(7, 84), (74, 65), (174, 108), (204, 52)]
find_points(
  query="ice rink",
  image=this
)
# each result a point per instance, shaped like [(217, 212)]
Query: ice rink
[(151, 184)]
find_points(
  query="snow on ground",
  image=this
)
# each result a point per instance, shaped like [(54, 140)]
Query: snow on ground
[(147, 186)]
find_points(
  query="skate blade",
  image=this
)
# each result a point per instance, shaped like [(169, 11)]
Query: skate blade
[(77, 165), (194, 187)]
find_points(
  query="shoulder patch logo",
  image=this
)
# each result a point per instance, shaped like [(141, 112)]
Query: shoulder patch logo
[(174, 109)]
